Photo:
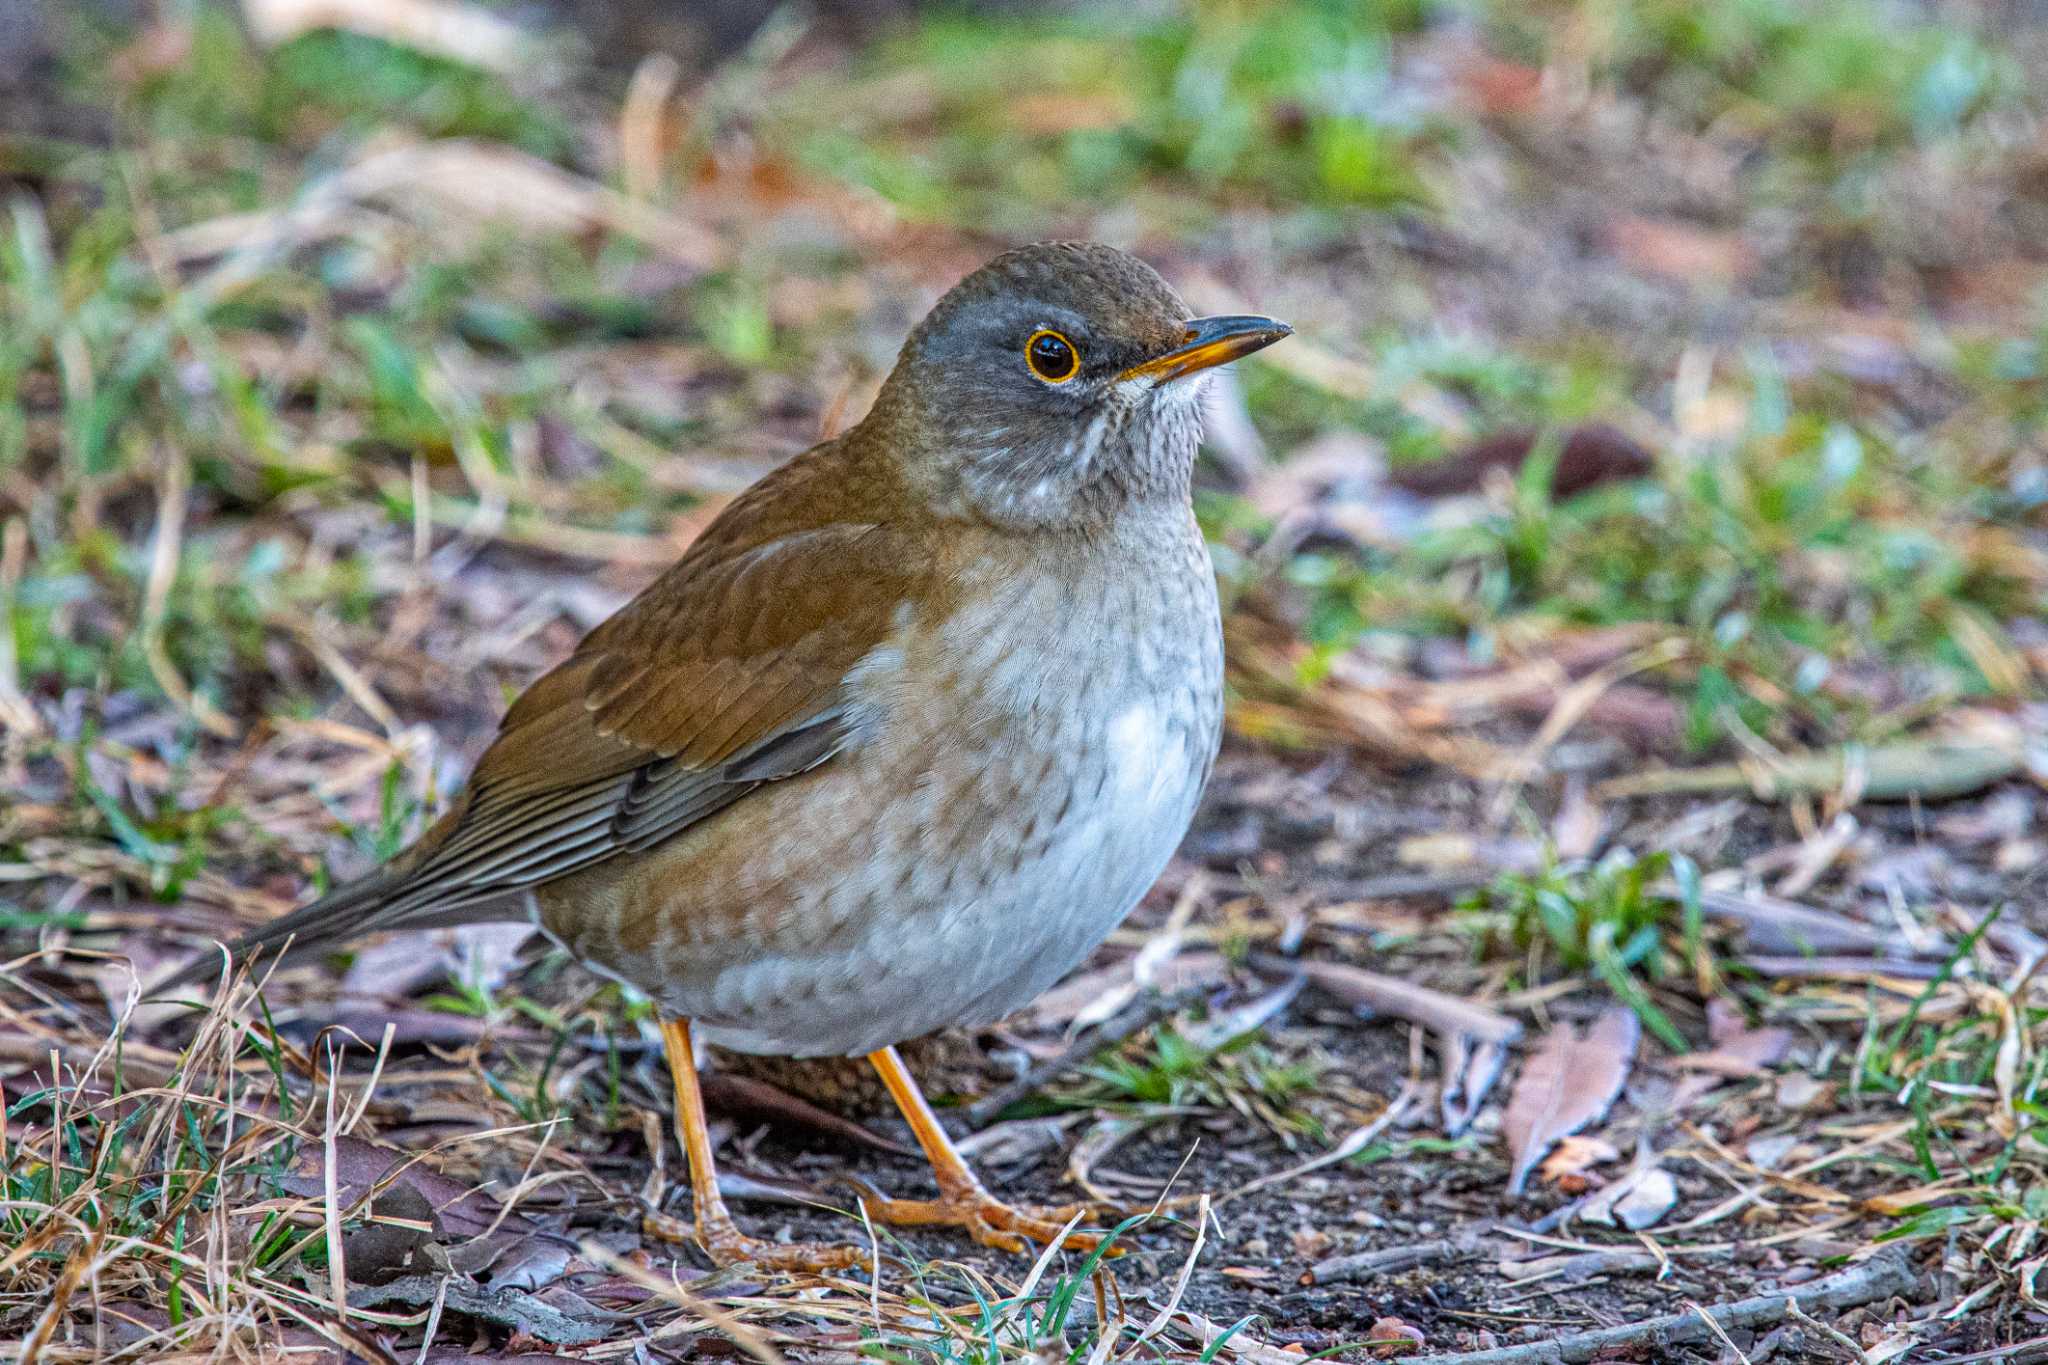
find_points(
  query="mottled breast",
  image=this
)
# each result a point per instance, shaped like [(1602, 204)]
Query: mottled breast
[(1027, 765)]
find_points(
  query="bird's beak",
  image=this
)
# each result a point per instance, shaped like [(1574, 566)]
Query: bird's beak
[(1208, 342)]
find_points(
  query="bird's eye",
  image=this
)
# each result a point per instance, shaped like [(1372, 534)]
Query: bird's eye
[(1052, 357)]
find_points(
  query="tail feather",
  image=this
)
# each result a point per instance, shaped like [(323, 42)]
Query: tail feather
[(373, 904)]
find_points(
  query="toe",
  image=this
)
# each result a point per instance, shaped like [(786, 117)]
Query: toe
[(787, 1258), (1043, 1225), (988, 1220), (726, 1245)]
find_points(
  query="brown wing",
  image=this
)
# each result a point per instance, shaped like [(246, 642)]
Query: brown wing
[(726, 673)]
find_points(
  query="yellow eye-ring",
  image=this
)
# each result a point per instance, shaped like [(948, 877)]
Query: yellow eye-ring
[(1051, 356)]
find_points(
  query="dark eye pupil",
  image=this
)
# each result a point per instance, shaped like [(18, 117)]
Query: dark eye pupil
[(1053, 355)]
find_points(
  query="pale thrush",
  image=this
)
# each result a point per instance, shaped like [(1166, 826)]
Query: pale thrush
[(906, 732)]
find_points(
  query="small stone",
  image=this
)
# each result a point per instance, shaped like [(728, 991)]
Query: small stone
[(1311, 1242), (1797, 1090)]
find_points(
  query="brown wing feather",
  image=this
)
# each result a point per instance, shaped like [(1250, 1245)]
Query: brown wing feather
[(727, 672), (652, 723)]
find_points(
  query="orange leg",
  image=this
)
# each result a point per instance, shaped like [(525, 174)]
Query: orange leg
[(716, 1232), (963, 1201)]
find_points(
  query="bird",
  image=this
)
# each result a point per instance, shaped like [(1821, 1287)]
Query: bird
[(907, 730)]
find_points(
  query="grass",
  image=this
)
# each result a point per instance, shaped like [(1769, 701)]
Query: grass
[(299, 482), (1613, 919), (136, 1176)]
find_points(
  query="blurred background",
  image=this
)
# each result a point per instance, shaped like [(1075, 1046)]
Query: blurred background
[(386, 284), (1643, 542)]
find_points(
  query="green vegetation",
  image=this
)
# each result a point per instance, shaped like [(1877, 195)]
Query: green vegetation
[(1611, 919)]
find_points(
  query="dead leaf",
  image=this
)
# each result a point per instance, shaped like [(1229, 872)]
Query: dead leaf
[(1587, 457), (1310, 1243), (1567, 1083), (1576, 1156), (1390, 1337), (1636, 1201), (1579, 825), (395, 1240), (360, 1166), (1738, 1051), (1471, 1066)]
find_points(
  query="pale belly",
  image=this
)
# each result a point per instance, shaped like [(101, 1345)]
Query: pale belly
[(993, 910), (968, 855)]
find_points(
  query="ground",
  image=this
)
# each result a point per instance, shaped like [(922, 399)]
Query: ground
[(1634, 566)]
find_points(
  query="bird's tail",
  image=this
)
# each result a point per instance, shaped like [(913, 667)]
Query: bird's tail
[(370, 905)]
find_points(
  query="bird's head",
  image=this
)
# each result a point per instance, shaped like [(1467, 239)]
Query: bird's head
[(1056, 379)]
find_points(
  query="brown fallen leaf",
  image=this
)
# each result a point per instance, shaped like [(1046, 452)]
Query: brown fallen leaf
[(1569, 1081), (1390, 1337), (1738, 1050), (1798, 1090), (1576, 1156), (1310, 1243), (361, 1167), (395, 1239), (1587, 456)]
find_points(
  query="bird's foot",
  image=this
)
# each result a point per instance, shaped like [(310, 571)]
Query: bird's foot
[(987, 1219), (726, 1245)]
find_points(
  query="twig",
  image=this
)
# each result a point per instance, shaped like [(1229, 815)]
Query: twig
[(2033, 1348), (1576, 1268), (1366, 1265), (1390, 995), (337, 1273), (1840, 1338), (1720, 1333), (1781, 966), (1397, 886), (1880, 1277)]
